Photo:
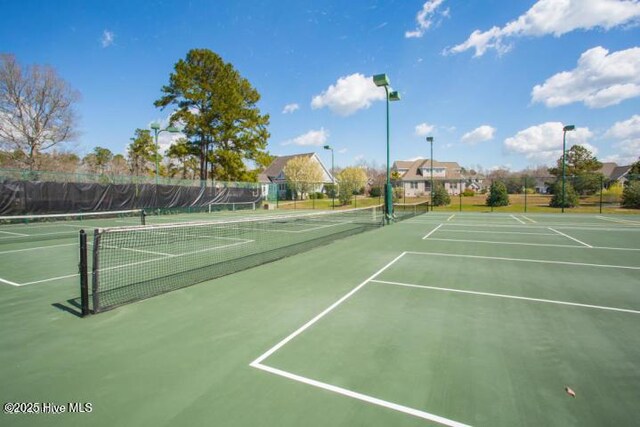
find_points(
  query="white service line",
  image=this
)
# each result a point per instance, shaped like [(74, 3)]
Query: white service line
[(138, 250), (569, 237), (498, 232), (432, 231), (529, 219), (14, 234), (324, 313), (518, 219), (489, 294), (37, 248), (10, 283), (359, 396), (451, 217), (537, 261), (50, 279), (618, 220), (511, 243)]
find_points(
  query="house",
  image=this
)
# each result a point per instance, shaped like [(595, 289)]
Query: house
[(415, 176), (273, 176), (614, 173)]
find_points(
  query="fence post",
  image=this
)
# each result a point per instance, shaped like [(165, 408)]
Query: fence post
[(525, 194), (460, 194), (601, 190)]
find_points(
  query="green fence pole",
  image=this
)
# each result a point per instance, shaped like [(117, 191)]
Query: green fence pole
[(601, 190), (460, 191)]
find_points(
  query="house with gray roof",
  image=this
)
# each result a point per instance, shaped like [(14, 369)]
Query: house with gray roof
[(415, 176), (614, 173), (274, 174)]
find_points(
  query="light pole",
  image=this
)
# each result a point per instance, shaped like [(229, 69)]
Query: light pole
[(157, 131), (430, 140), (333, 179), (565, 129), (391, 95)]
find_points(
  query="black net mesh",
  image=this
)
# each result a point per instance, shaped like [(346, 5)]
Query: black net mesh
[(133, 263)]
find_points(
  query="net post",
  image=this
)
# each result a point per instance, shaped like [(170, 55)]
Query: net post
[(84, 275), (95, 285), (143, 217)]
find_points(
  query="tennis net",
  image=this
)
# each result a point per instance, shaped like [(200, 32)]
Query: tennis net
[(29, 228), (404, 210), (134, 263), (232, 206)]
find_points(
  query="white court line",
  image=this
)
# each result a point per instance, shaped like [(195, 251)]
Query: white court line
[(432, 231), (50, 279), (324, 313), (14, 234), (359, 396), (37, 248), (518, 219), (451, 217), (507, 243), (594, 227), (617, 220), (489, 294), (369, 399), (572, 238), (10, 283), (537, 261), (138, 250), (498, 232), (529, 219)]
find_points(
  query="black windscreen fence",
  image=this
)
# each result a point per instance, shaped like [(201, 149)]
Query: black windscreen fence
[(21, 197)]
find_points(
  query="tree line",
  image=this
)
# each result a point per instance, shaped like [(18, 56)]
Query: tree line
[(223, 130)]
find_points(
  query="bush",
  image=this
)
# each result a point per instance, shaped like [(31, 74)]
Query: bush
[(613, 193), (375, 191), (498, 195), (468, 193), (316, 195), (440, 196), (330, 189), (631, 195), (398, 193), (570, 196)]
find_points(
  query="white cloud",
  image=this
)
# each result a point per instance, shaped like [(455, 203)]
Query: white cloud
[(165, 139), (349, 94), (479, 134), (600, 80), (626, 129), (359, 157), (628, 148), (556, 17), (342, 150), (424, 129), (107, 38), (290, 108), (424, 18), (313, 137), (543, 143)]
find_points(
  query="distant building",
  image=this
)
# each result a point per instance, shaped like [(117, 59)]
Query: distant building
[(614, 173), (415, 176), (274, 174)]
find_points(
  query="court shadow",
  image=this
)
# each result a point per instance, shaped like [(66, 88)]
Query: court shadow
[(71, 306)]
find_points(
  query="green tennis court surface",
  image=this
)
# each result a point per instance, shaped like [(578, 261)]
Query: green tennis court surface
[(454, 319)]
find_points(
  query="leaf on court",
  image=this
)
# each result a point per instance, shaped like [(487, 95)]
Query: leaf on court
[(570, 392)]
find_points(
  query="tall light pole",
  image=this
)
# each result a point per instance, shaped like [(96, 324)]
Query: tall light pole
[(430, 140), (333, 179), (566, 129), (391, 95), (157, 131)]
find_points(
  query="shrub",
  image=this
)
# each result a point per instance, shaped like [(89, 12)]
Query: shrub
[(498, 195), (613, 193), (631, 195), (316, 195), (398, 193), (468, 193), (440, 196), (375, 191), (330, 189), (570, 196)]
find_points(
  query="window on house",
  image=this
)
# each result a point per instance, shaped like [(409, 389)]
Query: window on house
[(414, 185)]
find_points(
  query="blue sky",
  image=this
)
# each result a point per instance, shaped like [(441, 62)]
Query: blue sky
[(493, 80)]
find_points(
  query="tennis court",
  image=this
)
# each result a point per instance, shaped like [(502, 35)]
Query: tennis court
[(451, 319)]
